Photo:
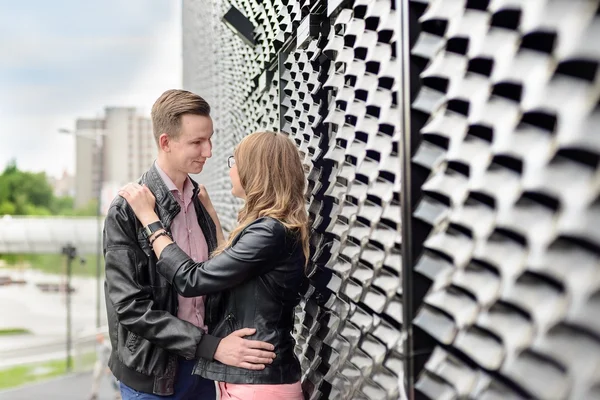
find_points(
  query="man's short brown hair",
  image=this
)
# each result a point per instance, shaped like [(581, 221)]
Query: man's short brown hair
[(170, 106)]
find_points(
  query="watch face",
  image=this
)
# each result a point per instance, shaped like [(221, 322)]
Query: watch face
[(153, 227)]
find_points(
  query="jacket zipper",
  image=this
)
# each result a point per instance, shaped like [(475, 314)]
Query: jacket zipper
[(229, 318)]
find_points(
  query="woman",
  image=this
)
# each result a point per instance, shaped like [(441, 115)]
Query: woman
[(253, 279)]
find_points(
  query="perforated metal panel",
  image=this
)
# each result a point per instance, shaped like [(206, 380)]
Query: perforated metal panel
[(504, 173), (511, 200), (333, 95)]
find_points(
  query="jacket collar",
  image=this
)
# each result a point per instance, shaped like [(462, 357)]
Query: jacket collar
[(166, 205)]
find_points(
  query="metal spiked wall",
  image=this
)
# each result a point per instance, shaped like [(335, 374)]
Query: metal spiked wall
[(504, 181), (334, 96), (511, 199)]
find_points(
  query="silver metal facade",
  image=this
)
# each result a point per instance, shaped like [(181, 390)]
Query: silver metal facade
[(504, 181), (510, 199)]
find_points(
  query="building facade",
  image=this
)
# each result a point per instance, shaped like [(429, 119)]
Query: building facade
[(88, 152), (453, 167), (111, 151), (63, 186)]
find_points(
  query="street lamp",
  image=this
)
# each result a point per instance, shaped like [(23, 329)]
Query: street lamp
[(99, 136), (71, 253)]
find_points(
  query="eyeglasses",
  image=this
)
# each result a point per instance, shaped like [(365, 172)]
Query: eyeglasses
[(230, 161)]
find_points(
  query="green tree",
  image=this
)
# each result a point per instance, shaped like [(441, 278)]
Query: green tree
[(62, 205), (30, 209), (28, 193), (10, 169), (7, 208), (25, 189), (89, 210)]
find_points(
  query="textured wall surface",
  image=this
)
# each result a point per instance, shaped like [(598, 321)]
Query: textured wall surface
[(505, 185), (337, 104), (511, 201)]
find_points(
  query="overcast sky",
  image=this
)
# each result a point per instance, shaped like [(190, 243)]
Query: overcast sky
[(64, 59)]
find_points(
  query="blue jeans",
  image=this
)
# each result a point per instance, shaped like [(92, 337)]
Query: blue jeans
[(187, 387)]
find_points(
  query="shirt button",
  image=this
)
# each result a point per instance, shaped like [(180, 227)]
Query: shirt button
[(189, 230)]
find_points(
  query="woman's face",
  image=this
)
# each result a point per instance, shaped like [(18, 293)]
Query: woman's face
[(237, 190)]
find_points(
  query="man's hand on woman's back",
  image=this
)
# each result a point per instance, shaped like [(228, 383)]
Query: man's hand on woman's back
[(236, 351)]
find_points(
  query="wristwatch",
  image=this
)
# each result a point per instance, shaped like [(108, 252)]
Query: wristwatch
[(149, 229)]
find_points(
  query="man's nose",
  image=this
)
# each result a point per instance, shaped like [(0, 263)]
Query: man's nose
[(207, 151)]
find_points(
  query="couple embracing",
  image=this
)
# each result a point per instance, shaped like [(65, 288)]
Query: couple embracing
[(192, 314)]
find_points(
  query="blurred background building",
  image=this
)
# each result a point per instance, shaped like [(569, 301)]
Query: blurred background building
[(88, 161), (64, 185), (110, 152)]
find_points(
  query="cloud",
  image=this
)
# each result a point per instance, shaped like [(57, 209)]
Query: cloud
[(67, 59)]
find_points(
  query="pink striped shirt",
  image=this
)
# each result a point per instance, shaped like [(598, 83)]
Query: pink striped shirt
[(189, 237)]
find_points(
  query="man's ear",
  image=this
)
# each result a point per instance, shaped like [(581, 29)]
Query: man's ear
[(164, 143)]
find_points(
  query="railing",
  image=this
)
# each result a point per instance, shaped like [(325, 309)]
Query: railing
[(44, 235)]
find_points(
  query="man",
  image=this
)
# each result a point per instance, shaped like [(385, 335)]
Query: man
[(156, 335)]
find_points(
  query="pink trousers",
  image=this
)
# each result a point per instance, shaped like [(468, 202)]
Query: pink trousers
[(231, 391)]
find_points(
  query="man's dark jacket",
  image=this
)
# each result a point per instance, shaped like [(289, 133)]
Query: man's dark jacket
[(145, 333)]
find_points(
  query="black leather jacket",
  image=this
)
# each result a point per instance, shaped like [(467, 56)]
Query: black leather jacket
[(254, 283), (145, 333)]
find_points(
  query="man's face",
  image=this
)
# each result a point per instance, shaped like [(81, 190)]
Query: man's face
[(189, 151)]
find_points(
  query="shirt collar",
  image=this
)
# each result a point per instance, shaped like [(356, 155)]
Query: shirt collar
[(188, 187)]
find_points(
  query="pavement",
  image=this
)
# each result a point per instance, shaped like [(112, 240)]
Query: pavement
[(45, 350), (44, 314), (71, 387)]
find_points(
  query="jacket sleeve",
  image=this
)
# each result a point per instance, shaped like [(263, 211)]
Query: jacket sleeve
[(250, 255), (133, 302)]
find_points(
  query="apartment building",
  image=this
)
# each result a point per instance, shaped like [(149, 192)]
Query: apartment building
[(110, 152)]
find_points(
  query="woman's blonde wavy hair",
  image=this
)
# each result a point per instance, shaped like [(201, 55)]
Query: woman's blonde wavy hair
[(272, 176)]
